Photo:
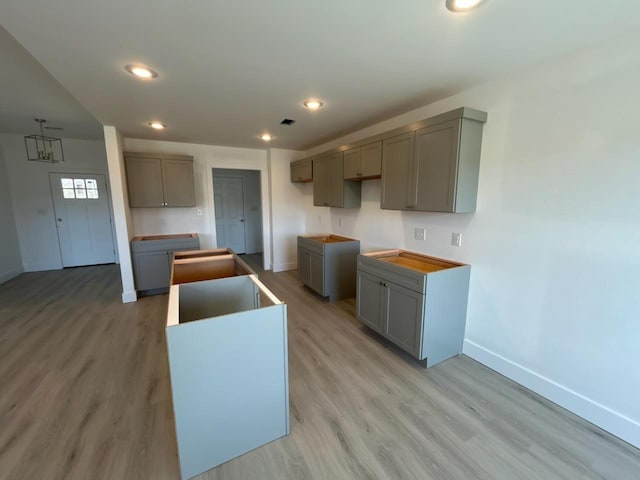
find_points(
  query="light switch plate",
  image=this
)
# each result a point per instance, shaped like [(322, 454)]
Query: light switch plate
[(420, 233), (456, 239)]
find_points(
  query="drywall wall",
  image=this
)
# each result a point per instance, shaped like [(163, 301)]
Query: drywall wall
[(10, 258), (251, 205), (149, 221), (555, 243), (31, 195), (121, 213), (288, 215)]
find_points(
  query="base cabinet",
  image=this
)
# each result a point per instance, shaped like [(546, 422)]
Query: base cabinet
[(152, 260), (420, 308), (327, 265)]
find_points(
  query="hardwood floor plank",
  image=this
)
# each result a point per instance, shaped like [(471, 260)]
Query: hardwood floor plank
[(86, 394)]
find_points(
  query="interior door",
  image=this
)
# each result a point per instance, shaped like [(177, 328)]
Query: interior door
[(228, 196), (81, 205)]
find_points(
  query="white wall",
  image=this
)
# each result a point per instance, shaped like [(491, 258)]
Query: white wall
[(31, 195), (10, 259), (148, 221), (252, 205), (555, 243), (122, 216), (287, 200)]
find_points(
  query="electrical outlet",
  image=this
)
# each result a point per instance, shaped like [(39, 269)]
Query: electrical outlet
[(456, 239), (420, 233), (340, 222), (319, 219)]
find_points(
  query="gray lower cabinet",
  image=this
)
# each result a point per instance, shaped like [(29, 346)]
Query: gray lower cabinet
[(330, 189), (152, 256), (327, 265), (417, 302), (159, 180)]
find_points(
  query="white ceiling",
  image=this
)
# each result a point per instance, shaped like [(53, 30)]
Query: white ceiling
[(28, 91), (230, 70)]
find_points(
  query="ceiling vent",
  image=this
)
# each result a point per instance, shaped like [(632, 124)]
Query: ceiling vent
[(287, 121)]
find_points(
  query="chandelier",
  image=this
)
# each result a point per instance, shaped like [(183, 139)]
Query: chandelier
[(42, 148)]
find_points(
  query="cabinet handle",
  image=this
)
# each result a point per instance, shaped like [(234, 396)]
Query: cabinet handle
[(359, 174), (326, 204)]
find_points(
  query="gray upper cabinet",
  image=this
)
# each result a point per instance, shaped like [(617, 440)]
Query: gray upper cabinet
[(364, 162), (329, 187), (159, 180), (301, 171), (397, 168)]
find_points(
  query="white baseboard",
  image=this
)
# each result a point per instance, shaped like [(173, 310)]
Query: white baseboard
[(5, 277), (129, 297), (613, 422), (283, 267)]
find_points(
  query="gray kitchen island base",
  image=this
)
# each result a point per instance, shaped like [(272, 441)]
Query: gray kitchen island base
[(227, 344)]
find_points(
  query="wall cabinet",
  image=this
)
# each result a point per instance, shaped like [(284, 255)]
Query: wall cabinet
[(397, 157), (152, 256), (417, 302), (330, 189), (159, 180), (436, 166), (302, 171), (327, 265), (362, 163)]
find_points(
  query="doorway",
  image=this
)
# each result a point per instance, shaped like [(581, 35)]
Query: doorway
[(83, 218), (238, 209)]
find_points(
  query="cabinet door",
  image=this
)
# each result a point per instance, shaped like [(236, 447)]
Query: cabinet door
[(369, 300), (316, 274), (320, 185), (152, 270), (397, 159), (144, 181), (301, 171), (335, 180), (371, 160), (177, 178), (352, 164), (403, 315), (304, 266), (436, 167)]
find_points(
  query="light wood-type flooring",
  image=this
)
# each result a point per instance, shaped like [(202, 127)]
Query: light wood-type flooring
[(85, 395)]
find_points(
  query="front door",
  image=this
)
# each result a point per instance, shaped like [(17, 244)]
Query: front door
[(83, 220), (228, 197)]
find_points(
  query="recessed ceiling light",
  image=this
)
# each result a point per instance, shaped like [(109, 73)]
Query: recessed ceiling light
[(157, 125), (313, 104), (266, 137), (141, 71), (462, 5)]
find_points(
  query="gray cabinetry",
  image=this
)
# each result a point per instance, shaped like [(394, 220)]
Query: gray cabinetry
[(159, 180), (417, 302), (436, 167), (152, 259), (397, 163), (329, 187), (327, 265), (301, 171), (364, 162)]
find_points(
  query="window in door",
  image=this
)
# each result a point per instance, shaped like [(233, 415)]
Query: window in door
[(79, 188)]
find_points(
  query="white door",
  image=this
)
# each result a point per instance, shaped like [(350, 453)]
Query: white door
[(228, 198), (82, 216)]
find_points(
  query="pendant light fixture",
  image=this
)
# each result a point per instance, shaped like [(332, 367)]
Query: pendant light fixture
[(42, 148)]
